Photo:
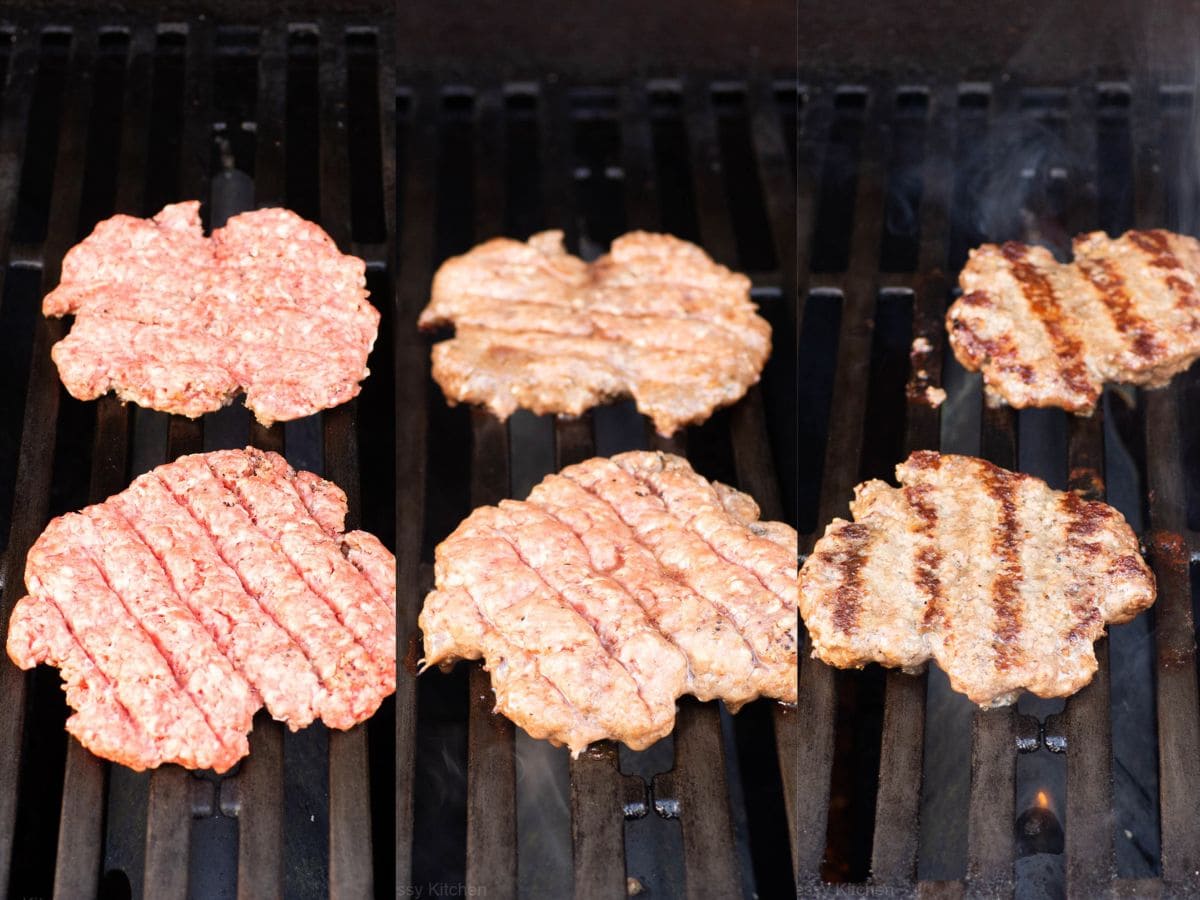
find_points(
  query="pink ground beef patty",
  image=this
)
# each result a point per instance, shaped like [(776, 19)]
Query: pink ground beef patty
[(179, 322)]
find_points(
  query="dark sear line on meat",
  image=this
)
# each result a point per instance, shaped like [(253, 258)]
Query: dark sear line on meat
[(1048, 334), (848, 559), (1115, 293), (1006, 589), (928, 558), (940, 568), (1039, 292), (173, 618), (619, 585)]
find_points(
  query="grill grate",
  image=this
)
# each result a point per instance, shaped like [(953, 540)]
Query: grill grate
[(928, 171), (123, 116), (492, 811)]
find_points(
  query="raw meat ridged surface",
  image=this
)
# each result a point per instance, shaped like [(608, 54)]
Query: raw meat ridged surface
[(210, 587), (1050, 334), (1003, 581), (617, 586), (176, 321), (539, 329)]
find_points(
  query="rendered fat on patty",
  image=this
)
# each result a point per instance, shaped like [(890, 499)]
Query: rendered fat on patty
[(1001, 580), (617, 586), (1050, 334), (212, 586), (179, 322), (537, 328)]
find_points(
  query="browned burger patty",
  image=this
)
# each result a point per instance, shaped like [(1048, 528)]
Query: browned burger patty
[(1048, 334), (211, 586), (1003, 581), (175, 321), (539, 329), (619, 585)]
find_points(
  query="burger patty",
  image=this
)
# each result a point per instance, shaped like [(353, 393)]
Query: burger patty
[(539, 329), (1004, 582), (617, 586), (174, 321), (1048, 334), (210, 587)]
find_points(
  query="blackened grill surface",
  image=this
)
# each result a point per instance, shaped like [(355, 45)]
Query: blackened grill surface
[(117, 115)]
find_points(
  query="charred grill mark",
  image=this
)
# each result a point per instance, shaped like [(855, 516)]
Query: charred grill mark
[(928, 558), (1039, 294), (1156, 245), (1084, 520), (1006, 591), (849, 561), (976, 351), (1114, 293)]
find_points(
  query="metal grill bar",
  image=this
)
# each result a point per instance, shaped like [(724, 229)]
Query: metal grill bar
[(1090, 853), (27, 518), (1178, 723), (894, 852), (816, 707)]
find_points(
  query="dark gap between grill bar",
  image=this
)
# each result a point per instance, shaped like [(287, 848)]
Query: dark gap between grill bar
[(63, 61), (439, 838), (532, 193)]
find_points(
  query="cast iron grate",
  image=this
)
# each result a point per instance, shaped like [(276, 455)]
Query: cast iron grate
[(491, 811), (907, 792), (124, 115)]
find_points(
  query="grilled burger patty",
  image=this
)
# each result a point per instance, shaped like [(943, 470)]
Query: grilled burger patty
[(617, 586), (1003, 581), (175, 321), (211, 586), (539, 329), (1048, 334)]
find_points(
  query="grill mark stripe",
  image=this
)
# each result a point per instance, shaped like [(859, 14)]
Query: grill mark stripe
[(1114, 293), (141, 627), (580, 715), (1006, 547), (1082, 523), (352, 555), (183, 604), (617, 512), (755, 661), (132, 720), (330, 694), (927, 559), (254, 602), (280, 554), (849, 559), (562, 600), (1157, 247), (233, 487), (1038, 292), (686, 524)]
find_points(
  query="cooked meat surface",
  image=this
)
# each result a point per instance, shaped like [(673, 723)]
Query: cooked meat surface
[(173, 320), (539, 329), (617, 586), (1003, 581), (210, 587), (1048, 334)]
